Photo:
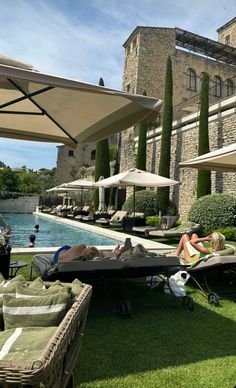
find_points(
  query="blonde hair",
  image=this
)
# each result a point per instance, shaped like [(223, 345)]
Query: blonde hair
[(89, 253), (218, 241)]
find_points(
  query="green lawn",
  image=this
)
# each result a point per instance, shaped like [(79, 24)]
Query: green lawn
[(161, 345)]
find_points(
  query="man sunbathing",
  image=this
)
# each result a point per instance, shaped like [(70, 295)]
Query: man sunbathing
[(84, 253)]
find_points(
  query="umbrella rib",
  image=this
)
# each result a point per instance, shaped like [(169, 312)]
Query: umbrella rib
[(15, 112), (42, 110), (12, 102)]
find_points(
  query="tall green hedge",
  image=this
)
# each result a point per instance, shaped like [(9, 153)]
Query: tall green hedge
[(164, 164), (214, 211), (102, 164), (142, 148), (204, 177)]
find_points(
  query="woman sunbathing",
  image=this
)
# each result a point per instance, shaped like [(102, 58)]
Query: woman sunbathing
[(193, 248)]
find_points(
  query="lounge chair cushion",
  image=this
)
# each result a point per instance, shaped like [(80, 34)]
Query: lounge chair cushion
[(34, 311), (229, 250), (29, 292), (24, 344)]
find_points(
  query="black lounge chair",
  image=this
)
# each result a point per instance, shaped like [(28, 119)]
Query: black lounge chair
[(222, 261), (170, 222), (133, 266), (186, 227)]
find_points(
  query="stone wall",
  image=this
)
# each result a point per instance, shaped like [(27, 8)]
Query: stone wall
[(145, 66), (229, 29), (69, 160), (222, 132), (144, 69), (25, 204)]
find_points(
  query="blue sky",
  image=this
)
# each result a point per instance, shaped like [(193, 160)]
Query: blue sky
[(82, 39)]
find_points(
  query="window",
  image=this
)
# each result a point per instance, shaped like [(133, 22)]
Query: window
[(192, 80), (93, 155), (218, 86), (227, 40), (70, 153), (134, 43), (229, 87), (128, 88), (128, 50)]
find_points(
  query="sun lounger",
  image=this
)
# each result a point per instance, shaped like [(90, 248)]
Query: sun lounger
[(84, 212), (218, 261), (137, 265), (56, 209), (170, 221), (178, 231), (116, 219)]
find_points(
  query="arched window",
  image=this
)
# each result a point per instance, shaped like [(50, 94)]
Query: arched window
[(218, 86), (229, 86), (191, 80), (93, 155)]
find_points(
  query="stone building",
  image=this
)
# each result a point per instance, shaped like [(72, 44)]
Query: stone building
[(69, 160), (146, 53)]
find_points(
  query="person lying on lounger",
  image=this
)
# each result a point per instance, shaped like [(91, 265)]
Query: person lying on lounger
[(193, 248), (84, 253)]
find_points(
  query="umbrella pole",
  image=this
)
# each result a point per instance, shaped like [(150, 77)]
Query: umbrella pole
[(134, 204)]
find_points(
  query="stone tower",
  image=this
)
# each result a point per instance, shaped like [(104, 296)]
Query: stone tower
[(227, 33), (146, 53)]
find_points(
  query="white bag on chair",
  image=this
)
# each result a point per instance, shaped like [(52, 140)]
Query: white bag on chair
[(177, 284)]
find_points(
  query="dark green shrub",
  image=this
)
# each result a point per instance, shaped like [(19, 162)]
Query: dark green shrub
[(145, 201), (171, 209), (152, 220), (229, 232), (8, 195), (214, 211)]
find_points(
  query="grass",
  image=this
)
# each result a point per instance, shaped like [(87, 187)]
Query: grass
[(161, 345)]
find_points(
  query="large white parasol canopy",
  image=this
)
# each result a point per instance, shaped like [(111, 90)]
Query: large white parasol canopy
[(42, 107)]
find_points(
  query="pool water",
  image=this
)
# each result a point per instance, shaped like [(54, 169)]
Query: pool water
[(51, 233)]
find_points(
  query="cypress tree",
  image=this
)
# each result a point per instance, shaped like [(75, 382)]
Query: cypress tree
[(164, 164), (204, 177), (142, 148), (102, 164)]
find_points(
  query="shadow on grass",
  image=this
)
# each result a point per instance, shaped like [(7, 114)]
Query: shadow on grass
[(155, 337)]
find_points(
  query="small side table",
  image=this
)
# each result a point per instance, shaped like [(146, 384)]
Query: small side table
[(15, 266)]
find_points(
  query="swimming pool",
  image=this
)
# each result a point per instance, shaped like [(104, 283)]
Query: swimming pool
[(51, 233)]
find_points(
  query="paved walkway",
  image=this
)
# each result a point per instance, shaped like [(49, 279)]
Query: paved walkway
[(148, 244)]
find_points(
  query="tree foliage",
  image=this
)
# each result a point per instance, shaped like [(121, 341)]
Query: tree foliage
[(9, 180), (204, 177), (26, 182), (164, 163)]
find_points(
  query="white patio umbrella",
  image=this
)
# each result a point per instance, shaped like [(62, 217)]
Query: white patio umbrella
[(41, 107), (223, 159), (135, 177), (79, 184), (61, 189)]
